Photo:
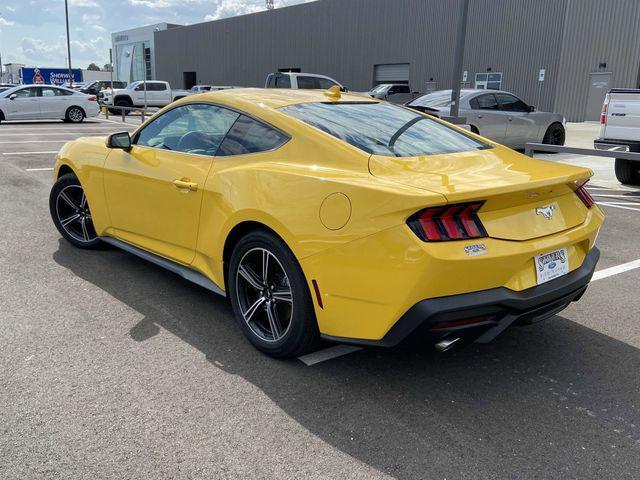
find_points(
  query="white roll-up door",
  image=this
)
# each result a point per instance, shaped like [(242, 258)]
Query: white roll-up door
[(392, 73)]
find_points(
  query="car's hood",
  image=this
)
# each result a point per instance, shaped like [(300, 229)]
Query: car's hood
[(465, 175)]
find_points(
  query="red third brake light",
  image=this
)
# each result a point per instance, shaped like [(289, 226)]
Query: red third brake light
[(450, 222)]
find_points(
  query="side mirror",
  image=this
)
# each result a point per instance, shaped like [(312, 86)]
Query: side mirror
[(532, 108), (120, 140), (344, 89), (13, 96)]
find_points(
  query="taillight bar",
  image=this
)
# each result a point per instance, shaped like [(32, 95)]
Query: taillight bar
[(450, 222), (605, 108), (585, 197)]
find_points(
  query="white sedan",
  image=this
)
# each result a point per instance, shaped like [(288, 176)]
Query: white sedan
[(38, 102)]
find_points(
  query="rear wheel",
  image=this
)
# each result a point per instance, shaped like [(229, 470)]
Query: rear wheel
[(270, 297), (555, 135), (70, 212), (74, 115), (627, 171), (122, 103)]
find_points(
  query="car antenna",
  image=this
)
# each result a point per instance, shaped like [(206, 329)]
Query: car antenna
[(333, 93)]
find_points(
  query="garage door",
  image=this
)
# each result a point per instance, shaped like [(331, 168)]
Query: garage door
[(392, 73)]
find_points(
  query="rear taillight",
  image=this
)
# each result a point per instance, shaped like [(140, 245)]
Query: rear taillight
[(605, 107), (585, 197), (92, 99), (450, 222)]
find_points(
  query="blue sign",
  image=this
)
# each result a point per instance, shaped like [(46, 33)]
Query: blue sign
[(52, 76)]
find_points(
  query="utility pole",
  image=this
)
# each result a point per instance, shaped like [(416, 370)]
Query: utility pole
[(66, 17), (459, 60)]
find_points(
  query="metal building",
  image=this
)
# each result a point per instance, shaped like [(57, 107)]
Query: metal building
[(584, 47)]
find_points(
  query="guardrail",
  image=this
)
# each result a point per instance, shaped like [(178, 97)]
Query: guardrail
[(530, 148), (123, 111)]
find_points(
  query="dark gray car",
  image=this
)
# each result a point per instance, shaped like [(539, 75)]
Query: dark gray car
[(497, 115)]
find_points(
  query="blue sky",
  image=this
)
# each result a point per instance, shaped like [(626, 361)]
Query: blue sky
[(33, 31)]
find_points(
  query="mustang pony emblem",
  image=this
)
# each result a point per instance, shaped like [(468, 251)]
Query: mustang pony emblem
[(546, 212)]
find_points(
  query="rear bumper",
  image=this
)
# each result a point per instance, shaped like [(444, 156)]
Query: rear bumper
[(616, 145), (495, 309)]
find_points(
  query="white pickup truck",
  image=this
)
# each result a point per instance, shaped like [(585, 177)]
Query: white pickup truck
[(620, 131), (158, 94)]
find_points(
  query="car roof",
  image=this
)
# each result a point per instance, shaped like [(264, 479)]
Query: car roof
[(274, 98)]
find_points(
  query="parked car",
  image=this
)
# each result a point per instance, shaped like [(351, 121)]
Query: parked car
[(393, 92), (321, 214), (307, 81), (498, 115), (620, 131), (158, 94), (94, 88), (209, 88), (39, 102)]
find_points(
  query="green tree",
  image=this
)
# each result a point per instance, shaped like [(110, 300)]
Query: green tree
[(107, 67), (93, 66)]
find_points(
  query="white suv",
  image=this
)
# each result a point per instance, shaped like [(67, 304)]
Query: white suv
[(308, 81)]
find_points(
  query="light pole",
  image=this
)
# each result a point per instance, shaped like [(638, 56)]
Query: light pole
[(66, 17), (458, 60)]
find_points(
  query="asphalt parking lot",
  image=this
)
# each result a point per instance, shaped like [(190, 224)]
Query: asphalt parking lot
[(113, 368)]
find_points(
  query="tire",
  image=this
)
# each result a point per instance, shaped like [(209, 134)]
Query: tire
[(70, 213), (282, 303), (74, 115), (555, 135), (474, 129), (627, 171), (122, 103)]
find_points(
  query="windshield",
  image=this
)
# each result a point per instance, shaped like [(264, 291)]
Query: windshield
[(379, 88), (9, 91), (384, 129)]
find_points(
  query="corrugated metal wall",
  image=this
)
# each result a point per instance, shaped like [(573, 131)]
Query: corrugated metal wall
[(597, 31), (345, 39)]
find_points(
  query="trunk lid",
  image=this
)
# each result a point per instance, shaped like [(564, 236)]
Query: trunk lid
[(524, 198)]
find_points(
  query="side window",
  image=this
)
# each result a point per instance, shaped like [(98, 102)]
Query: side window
[(325, 83), (158, 87), (509, 103), (27, 93), (195, 128), (400, 89), (283, 81), (484, 102), (140, 87), (271, 81), (48, 92), (250, 136), (308, 83)]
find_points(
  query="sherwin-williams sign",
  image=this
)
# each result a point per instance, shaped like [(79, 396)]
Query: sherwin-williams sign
[(52, 76)]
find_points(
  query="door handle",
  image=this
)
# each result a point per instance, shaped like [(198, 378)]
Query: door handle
[(185, 184), (479, 116), (511, 119)]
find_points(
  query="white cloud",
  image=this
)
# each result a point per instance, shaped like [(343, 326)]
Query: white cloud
[(84, 3), (35, 49), (5, 23), (232, 8)]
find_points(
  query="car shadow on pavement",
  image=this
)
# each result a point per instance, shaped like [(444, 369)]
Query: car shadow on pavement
[(540, 401)]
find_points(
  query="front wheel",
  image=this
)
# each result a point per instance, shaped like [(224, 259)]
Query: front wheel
[(555, 135), (70, 212), (627, 171), (270, 296)]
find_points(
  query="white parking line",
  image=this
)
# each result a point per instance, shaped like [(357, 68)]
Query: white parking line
[(613, 205), (607, 272), (35, 141), (45, 169), (28, 153), (327, 354)]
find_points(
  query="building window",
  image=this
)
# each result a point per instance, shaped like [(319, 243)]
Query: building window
[(489, 81), (147, 61)]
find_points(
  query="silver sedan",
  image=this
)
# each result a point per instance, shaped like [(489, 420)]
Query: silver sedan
[(497, 115)]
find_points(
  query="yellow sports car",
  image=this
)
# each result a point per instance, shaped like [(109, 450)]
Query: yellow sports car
[(323, 214)]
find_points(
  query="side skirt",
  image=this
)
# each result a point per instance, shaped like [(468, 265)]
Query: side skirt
[(185, 272)]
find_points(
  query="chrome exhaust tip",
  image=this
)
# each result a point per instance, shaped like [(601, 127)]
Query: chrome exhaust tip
[(447, 344)]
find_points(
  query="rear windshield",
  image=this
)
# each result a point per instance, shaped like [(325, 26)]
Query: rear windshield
[(384, 129)]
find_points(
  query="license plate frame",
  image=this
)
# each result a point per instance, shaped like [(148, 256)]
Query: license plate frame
[(551, 265)]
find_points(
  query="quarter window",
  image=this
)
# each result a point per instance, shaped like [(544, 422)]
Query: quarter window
[(195, 128), (48, 92), (250, 136)]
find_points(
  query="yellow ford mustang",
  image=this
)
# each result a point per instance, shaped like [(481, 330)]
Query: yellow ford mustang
[(335, 216)]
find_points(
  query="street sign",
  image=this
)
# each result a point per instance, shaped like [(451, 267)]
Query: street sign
[(465, 75), (541, 75)]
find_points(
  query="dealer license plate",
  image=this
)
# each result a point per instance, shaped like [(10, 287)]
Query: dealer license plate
[(551, 265)]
